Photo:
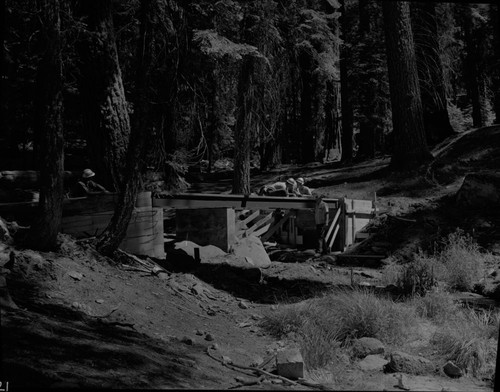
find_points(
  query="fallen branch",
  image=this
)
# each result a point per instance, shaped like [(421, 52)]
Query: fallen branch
[(261, 371)]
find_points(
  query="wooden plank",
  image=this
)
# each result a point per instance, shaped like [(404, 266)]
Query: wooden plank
[(333, 223), (262, 230), (332, 240), (259, 224), (251, 217), (277, 226), (200, 200)]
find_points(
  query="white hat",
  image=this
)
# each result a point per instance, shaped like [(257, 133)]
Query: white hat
[(87, 173), (300, 180), (291, 181)]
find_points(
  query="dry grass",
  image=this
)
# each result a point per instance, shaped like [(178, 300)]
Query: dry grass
[(326, 325), (463, 261), (437, 306), (469, 340), (457, 261)]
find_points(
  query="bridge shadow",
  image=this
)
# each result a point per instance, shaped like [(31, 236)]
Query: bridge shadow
[(245, 282)]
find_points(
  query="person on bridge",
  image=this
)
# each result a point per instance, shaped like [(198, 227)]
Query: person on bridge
[(302, 189), (288, 188), (321, 218), (86, 186)]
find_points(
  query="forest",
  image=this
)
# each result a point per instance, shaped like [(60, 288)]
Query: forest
[(165, 86)]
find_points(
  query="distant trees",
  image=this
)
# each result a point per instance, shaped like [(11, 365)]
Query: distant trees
[(49, 130), (410, 148)]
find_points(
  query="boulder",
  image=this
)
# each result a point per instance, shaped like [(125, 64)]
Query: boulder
[(367, 346), (452, 370), (290, 364), (251, 247), (372, 362), (479, 190), (406, 363)]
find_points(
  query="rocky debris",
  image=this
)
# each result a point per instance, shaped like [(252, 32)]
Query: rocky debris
[(289, 364), (199, 332), (406, 363), (209, 337), (187, 340), (452, 370), (372, 362), (4, 231), (243, 305), (479, 190), (402, 384), (75, 275), (5, 298), (367, 346)]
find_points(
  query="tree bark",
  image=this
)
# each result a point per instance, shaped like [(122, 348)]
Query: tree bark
[(475, 39), (244, 128), (410, 147), (495, 18), (106, 118), (345, 91), (140, 138), (368, 92), (430, 72), (48, 125)]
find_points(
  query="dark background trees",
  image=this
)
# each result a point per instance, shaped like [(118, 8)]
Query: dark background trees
[(248, 85)]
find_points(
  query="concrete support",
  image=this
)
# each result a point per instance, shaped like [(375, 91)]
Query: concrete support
[(207, 226)]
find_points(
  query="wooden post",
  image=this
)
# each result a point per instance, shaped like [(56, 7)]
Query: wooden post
[(375, 203), (353, 222), (343, 224)]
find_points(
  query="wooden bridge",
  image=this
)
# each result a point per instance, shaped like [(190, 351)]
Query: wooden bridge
[(213, 219)]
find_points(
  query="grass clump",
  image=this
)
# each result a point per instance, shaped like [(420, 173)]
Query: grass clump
[(437, 306), (323, 326), (458, 262), (469, 340), (463, 261)]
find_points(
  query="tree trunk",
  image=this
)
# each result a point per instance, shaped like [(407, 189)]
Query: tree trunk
[(49, 106), (306, 111), (106, 118), (495, 18), (410, 147), (430, 72), (140, 138), (370, 121), (475, 38), (345, 90), (244, 128)]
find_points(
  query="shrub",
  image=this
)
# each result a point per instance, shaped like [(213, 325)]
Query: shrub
[(468, 339), (418, 276), (462, 259)]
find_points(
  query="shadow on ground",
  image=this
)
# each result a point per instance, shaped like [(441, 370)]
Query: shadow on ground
[(51, 345)]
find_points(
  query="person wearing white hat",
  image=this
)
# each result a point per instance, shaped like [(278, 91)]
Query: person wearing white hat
[(86, 186), (302, 189), (280, 188)]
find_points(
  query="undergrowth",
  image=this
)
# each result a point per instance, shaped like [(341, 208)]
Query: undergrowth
[(469, 340), (324, 326), (457, 261)]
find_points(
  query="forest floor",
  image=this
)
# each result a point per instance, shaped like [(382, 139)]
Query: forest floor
[(85, 321)]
